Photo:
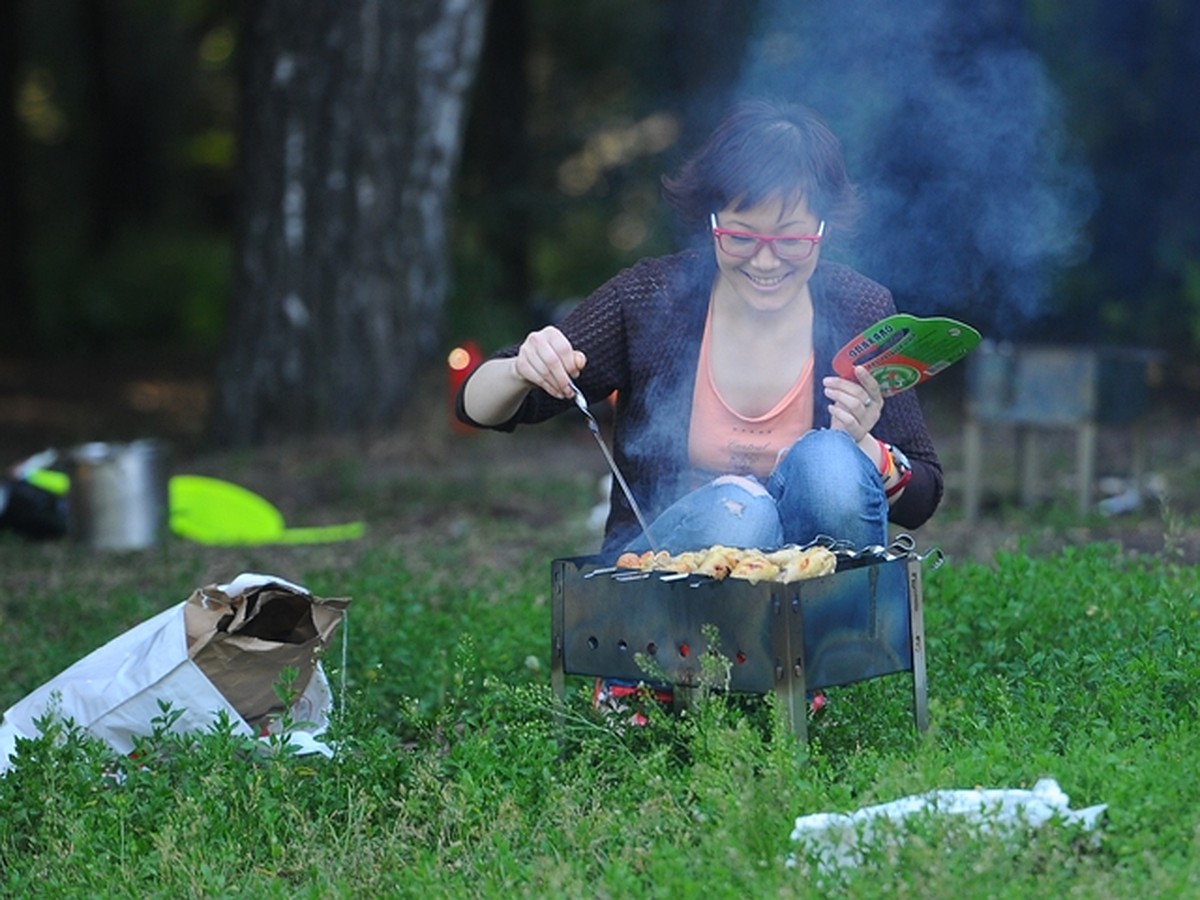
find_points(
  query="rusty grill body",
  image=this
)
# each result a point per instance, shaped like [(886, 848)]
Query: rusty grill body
[(864, 621)]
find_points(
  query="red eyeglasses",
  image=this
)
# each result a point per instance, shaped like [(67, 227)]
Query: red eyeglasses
[(746, 244)]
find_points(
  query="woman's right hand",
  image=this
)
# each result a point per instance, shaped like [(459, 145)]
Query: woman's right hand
[(547, 360)]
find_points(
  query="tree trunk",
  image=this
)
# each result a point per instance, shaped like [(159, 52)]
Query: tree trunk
[(353, 113), (16, 327), (495, 178)]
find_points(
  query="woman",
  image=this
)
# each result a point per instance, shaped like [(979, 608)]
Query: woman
[(731, 426)]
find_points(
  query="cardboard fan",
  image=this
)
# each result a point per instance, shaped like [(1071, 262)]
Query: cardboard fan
[(902, 351)]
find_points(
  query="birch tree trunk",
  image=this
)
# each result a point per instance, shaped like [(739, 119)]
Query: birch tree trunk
[(353, 116)]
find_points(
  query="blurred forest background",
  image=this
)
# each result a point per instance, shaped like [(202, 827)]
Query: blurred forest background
[(1031, 167)]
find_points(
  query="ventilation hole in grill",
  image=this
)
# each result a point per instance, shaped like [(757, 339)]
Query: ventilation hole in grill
[(652, 648), (622, 646), (684, 649), (592, 643), (740, 658)]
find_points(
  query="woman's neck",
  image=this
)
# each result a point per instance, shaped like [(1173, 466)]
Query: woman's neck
[(732, 316), (755, 356)]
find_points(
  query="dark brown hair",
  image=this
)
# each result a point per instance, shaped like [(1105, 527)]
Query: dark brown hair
[(761, 150)]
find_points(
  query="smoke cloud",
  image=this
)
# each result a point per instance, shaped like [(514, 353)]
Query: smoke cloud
[(957, 138)]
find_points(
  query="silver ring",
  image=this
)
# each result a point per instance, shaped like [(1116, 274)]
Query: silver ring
[(868, 402)]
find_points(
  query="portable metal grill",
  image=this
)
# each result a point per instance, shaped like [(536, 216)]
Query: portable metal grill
[(863, 621)]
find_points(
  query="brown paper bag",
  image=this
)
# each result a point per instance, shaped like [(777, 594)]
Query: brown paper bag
[(242, 637)]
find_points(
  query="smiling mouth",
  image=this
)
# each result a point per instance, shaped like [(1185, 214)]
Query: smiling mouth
[(766, 283)]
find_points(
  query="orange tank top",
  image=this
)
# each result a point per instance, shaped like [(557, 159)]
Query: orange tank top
[(722, 441)]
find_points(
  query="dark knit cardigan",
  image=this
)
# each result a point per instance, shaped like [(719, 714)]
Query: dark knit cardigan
[(641, 332)]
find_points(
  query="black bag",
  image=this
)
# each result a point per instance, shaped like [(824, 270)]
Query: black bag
[(30, 511)]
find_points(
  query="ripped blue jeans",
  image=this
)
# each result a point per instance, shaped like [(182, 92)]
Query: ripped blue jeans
[(824, 485)]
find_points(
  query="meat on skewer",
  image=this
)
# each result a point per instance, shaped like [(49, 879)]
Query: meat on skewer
[(786, 565)]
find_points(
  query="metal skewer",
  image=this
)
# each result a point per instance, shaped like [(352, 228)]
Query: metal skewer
[(594, 427)]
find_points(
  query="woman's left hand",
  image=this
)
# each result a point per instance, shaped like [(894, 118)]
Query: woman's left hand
[(855, 405)]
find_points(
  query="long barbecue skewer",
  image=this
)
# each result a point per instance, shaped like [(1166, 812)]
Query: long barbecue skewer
[(594, 427)]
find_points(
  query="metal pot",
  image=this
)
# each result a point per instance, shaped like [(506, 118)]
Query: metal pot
[(118, 496)]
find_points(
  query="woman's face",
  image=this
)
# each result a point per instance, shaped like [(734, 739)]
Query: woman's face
[(765, 280)]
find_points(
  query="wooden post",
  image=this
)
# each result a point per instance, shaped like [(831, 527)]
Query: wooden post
[(1085, 463), (973, 464), (1027, 453)]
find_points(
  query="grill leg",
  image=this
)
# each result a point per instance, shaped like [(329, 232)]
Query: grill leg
[(683, 698), (557, 670), (557, 677), (916, 608), (790, 679), (791, 694)]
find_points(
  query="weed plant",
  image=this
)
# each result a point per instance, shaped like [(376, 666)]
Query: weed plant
[(455, 774)]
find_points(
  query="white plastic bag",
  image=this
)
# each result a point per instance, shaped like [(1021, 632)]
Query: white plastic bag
[(839, 839), (221, 650)]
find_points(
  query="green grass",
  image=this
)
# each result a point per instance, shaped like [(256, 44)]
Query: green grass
[(454, 778)]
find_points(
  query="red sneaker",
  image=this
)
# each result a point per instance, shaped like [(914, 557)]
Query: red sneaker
[(611, 696)]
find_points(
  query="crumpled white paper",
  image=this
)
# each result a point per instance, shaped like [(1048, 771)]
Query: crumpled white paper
[(839, 839)]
